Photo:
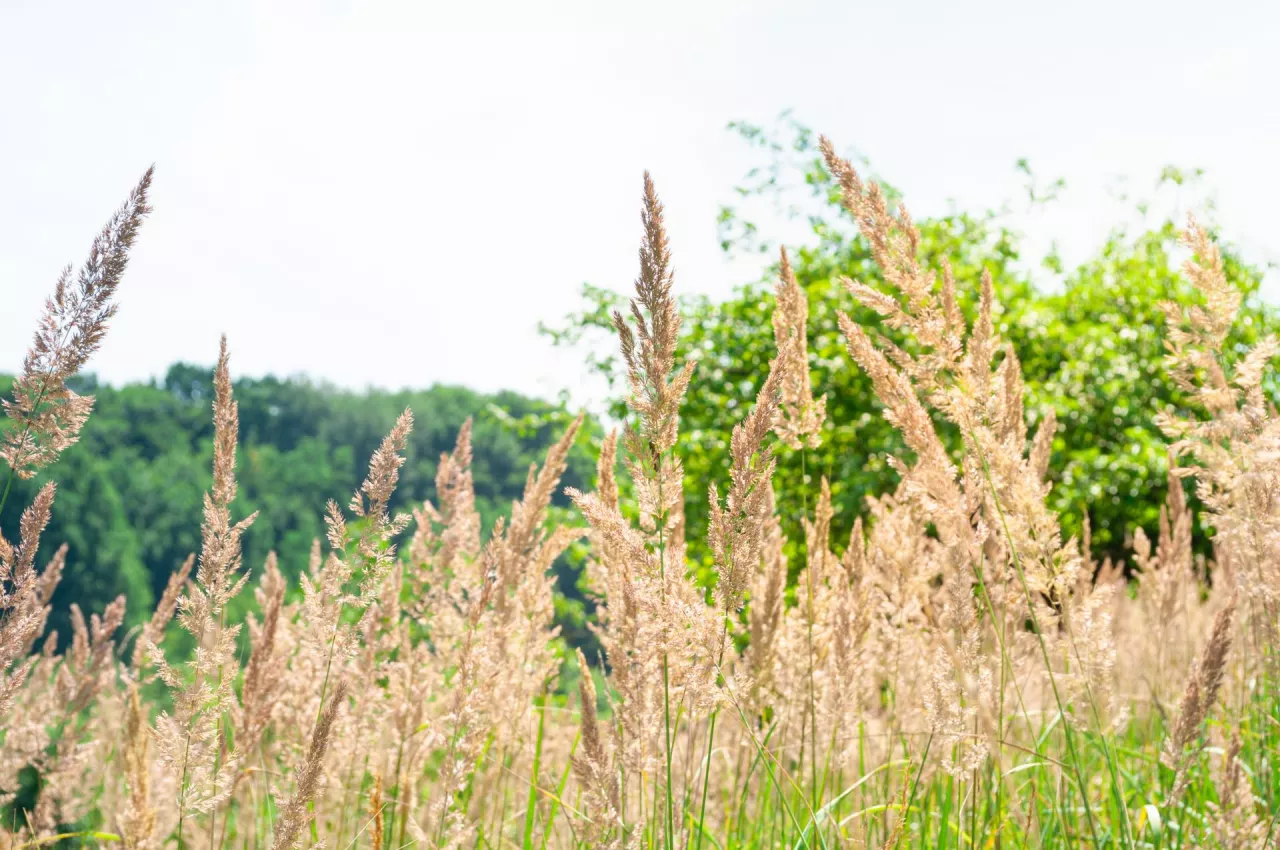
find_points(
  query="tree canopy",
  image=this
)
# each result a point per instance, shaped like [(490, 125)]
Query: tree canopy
[(1091, 348), (129, 493)]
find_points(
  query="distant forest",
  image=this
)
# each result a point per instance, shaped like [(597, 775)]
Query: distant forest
[(129, 493)]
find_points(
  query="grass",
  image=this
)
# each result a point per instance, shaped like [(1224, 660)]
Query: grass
[(956, 676)]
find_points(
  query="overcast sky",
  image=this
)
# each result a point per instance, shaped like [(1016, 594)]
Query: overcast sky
[(394, 193)]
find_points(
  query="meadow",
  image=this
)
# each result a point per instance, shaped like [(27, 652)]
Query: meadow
[(957, 672)]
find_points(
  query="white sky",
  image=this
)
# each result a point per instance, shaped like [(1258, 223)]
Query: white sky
[(395, 193)]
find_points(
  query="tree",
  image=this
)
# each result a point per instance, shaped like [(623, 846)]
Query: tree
[(1091, 349)]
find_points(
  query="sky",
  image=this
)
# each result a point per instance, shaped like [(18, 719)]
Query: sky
[(395, 193)]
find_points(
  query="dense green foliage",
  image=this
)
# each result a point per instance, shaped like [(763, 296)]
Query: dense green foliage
[(129, 493), (1090, 344)]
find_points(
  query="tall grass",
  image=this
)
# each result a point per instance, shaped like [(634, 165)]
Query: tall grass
[(956, 674)]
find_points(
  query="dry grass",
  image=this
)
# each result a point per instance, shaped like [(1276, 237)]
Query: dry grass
[(955, 674)]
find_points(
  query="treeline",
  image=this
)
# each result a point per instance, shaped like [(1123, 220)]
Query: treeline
[(130, 492)]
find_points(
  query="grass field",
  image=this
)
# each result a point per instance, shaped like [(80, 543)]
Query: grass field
[(954, 675)]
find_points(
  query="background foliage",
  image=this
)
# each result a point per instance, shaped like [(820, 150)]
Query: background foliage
[(1089, 337), (129, 493)]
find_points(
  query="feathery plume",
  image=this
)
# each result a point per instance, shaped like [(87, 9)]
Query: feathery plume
[(46, 415), (23, 596), (527, 514), (372, 499), (655, 394), (190, 741), (594, 767), (455, 490), (1236, 824), (293, 810), (138, 820), (735, 528), (218, 576), (1200, 695), (800, 416), (90, 656), (264, 674), (153, 631), (606, 478)]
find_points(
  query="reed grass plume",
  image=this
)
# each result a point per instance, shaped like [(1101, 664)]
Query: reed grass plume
[(45, 415), (800, 416)]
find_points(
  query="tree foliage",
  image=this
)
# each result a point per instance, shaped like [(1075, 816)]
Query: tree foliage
[(1090, 340), (129, 493)]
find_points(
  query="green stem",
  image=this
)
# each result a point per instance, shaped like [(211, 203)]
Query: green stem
[(1044, 650), (915, 783), (764, 759), (554, 811), (531, 808), (711, 741), (4, 497)]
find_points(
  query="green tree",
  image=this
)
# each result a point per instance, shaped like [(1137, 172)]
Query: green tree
[(1091, 349)]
